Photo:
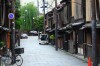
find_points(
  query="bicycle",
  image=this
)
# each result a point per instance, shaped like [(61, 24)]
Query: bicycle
[(8, 59), (18, 60)]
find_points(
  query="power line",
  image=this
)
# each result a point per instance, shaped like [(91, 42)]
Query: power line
[(50, 5)]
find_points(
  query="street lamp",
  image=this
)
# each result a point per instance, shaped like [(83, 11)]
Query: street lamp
[(33, 17), (19, 9), (25, 20), (26, 10), (33, 23)]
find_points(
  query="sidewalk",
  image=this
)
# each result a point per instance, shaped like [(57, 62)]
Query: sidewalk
[(78, 56)]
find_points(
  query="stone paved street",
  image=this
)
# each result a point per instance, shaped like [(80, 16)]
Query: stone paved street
[(45, 55)]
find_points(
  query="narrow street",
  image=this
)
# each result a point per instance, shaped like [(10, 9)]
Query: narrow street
[(45, 55), (72, 26)]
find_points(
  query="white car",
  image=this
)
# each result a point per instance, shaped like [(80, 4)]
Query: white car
[(43, 39), (24, 36), (34, 32)]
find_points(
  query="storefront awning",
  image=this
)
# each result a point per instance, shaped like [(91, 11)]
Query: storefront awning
[(69, 31), (52, 30), (5, 29), (89, 25), (77, 24), (67, 27), (48, 29)]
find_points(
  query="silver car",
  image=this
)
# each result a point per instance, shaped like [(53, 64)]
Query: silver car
[(24, 36)]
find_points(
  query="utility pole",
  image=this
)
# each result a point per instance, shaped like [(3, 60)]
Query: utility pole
[(44, 14), (94, 48), (38, 7), (38, 18), (55, 19), (13, 28)]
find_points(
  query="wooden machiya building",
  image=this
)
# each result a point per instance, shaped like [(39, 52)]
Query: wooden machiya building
[(5, 22), (50, 29), (68, 25), (87, 30), (64, 27), (74, 26)]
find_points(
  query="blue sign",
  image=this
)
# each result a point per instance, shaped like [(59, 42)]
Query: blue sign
[(10, 15)]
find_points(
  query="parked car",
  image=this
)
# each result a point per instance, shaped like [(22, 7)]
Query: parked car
[(33, 33), (24, 36), (43, 39)]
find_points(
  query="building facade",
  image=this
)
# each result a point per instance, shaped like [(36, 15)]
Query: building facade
[(74, 26)]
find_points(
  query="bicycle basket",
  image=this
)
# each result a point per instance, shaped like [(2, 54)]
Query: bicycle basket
[(19, 50)]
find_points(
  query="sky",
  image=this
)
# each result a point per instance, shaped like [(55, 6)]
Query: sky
[(51, 4)]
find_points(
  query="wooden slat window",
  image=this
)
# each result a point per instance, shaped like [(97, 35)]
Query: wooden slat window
[(78, 9), (1, 12), (62, 17), (59, 20), (98, 10), (88, 10), (65, 15)]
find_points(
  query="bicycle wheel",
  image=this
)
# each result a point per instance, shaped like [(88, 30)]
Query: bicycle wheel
[(6, 60), (19, 60)]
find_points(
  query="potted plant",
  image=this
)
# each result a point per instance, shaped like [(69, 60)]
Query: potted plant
[(1, 44), (52, 38)]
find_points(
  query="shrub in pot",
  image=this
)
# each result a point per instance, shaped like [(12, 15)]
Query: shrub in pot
[(1, 44), (1, 47)]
